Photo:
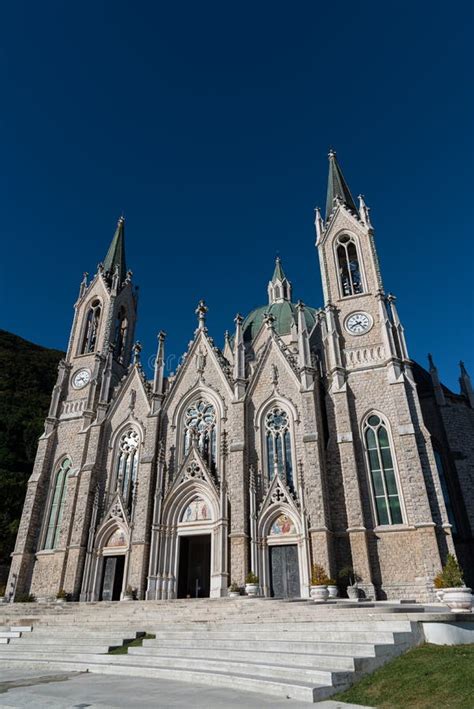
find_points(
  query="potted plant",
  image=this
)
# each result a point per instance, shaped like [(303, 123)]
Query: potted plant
[(128, 594), (61, 596), (234, 590), (455, 594), (251, 584), (319, 583), (438, 584), (350, 580), (333, 590)]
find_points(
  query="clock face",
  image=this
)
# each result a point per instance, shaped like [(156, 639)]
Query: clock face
[(81, 378), (358, 323)]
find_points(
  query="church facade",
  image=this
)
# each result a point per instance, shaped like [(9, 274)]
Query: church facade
[(304, 440)]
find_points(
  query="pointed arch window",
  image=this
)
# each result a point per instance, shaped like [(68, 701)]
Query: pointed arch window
[(382, 471), (278, 444), (121, 330), (200, 425), (348, 266), (127, 465), (91, 329), (58, 500)]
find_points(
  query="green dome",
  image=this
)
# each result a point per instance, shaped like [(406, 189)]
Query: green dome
[(284, 312)]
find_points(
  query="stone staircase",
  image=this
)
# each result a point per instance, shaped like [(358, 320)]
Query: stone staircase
[(298, 650)]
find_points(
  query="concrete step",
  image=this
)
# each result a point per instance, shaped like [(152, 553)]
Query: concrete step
[(253, 665), (61, 649), (83, 639), (303, 691), (9, 634), (302, 646), (342, 663), (357, 636)]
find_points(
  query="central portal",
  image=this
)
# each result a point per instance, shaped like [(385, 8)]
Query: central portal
[(284, 568), (194, 575)]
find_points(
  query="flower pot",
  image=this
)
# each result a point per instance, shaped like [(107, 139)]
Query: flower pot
[(333, 591), (319, 594), (234, 594), (353, 592), (459, 600), (251, 589)]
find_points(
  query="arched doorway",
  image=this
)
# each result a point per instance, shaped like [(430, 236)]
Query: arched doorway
[(195, 549), (283, 561)]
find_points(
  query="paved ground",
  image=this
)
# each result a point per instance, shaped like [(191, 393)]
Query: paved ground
[(37, 688)]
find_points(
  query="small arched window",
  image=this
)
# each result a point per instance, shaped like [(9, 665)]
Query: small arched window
[(348, 266), (57, 505), (91, 329), (382, 471), (200, 426), (278, 444), (121, 329), (127, 465)]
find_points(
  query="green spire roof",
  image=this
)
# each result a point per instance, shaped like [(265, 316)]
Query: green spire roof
[(278, 272), (116, 253), (337, 186)]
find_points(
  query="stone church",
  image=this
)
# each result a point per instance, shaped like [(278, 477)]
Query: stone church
[(311, 437)]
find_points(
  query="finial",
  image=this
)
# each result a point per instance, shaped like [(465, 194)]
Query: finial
[(300, 305), (430, 360), (201, 311), (227, 337), (331, 154), (137, 348), (238, 319)]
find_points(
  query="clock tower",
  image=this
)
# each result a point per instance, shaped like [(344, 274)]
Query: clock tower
[(369, 373)]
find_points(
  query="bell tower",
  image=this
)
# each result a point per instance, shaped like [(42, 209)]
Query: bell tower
[(367, 321), (371, 392), (104, 319)]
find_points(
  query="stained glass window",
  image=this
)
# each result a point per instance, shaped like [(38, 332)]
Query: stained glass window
[(127, 465), (57, 505), (382, 471), (200, 424), (278, 443)]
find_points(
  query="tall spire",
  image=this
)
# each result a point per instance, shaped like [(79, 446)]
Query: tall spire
[(337, 187), (115, 259), (279, 288)]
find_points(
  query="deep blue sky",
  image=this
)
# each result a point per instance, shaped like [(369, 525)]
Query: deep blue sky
[(208, 125)]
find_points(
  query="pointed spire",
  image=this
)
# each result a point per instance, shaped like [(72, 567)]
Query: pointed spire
[(304, 354), (466, 385), (337, 187), (239, 358), (364, 212), (438, 389), (279, 287), (319, 224), (115, 259), (278, 272), (158, 379), (201, 312)]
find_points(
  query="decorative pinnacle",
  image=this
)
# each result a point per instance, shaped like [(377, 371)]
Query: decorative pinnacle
[(300, 305), (238, 319), (269, 320), (331, 154), (137, 348), (430, 360), (201, 312)]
